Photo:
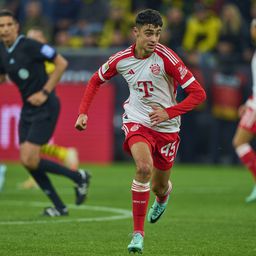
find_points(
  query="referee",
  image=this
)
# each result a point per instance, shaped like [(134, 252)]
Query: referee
[(22, 59)]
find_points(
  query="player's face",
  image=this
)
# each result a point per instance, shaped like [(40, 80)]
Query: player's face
[(147, 37), (8, 30)]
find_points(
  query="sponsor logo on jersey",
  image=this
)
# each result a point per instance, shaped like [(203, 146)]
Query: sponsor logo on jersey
[(23, 73), (47, 51), (183, 71), (135, 127), (155, 69), (105, 68)]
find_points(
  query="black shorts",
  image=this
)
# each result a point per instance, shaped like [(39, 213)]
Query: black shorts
[(37, 124)]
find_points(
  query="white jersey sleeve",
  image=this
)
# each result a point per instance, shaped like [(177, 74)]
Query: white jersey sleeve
[(108, 69)]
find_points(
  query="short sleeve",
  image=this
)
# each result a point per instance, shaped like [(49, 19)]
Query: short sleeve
[(107, 70), (41, 51)]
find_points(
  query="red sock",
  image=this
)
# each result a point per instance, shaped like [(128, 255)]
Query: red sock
[(248, 158), (163, 199), (140, 198)]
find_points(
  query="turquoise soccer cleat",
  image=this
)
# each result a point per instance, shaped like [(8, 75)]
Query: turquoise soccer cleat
[(252, 196), (156, 211), (136, 245)]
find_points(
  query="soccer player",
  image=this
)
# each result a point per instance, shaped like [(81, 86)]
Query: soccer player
[(151, 121), (22, 59), (246, 129), (69, 156)]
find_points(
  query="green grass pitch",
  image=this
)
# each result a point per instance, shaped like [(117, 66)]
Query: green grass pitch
[(206, 215)]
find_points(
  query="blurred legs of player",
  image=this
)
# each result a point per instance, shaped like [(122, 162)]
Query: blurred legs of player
[(241, 142), (68, 156), (2, 175)]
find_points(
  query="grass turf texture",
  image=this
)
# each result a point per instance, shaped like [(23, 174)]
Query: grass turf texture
[(206, 215)]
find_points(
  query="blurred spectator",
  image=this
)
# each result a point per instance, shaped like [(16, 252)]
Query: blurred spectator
[(62, 39), (94, 11), (35, 18), (175, 28), (235, 30), (228, 91), (65, 13), (117, 28), (84, 33), (202, 32)]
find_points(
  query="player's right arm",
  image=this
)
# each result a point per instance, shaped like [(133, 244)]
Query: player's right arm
[(105, 72)]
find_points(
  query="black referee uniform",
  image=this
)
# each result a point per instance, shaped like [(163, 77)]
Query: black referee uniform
[(23, 62)]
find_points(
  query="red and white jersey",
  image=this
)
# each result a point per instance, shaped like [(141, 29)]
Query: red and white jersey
[(152, 81)]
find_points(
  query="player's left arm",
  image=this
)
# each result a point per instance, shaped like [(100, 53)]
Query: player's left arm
[(177, 70), (60, 66)]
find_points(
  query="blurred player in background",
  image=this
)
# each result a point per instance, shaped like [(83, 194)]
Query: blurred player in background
[(246, 130), (23, 60), (2, 175), (151, 121), (69, 156)]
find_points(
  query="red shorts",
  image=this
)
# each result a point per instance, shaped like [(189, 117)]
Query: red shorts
[(163, 146), (248, 120)]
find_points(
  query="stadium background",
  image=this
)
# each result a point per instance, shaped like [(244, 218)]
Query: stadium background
[(207, 214), (87, 32)]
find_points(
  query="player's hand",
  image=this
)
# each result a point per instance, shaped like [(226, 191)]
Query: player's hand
[(241, 110), (37, 99), (81, 122), (158, 115)]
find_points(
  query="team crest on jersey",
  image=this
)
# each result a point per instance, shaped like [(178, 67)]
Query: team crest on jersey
[(23, 73), (183, 71), (135, 127), (155, 69), (105, 68)]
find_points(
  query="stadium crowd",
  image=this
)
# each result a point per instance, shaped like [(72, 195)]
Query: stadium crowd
[(212, 37)]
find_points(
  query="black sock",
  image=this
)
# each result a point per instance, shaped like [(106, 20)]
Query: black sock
[(55, 168), (45, 184)]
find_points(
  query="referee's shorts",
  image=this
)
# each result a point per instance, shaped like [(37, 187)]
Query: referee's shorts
[(37, 124)]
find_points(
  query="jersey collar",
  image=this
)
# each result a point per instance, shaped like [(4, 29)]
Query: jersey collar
[(133, 51), (11, 49)]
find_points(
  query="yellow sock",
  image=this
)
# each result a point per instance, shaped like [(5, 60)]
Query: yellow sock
[(55, 151)]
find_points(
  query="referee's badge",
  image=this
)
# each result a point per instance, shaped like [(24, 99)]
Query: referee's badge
[(23, 73)]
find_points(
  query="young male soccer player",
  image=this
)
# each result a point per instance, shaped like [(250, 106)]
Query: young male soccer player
[(152, 116), (246, 130), (22, 59), (67, 155)]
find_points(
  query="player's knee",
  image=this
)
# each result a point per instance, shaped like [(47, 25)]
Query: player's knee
[(29, 161), (144, 169)]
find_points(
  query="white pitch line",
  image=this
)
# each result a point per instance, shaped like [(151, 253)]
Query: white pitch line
[(122, 214)]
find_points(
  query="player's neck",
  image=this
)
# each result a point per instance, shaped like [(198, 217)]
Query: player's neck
[(140, 53)]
